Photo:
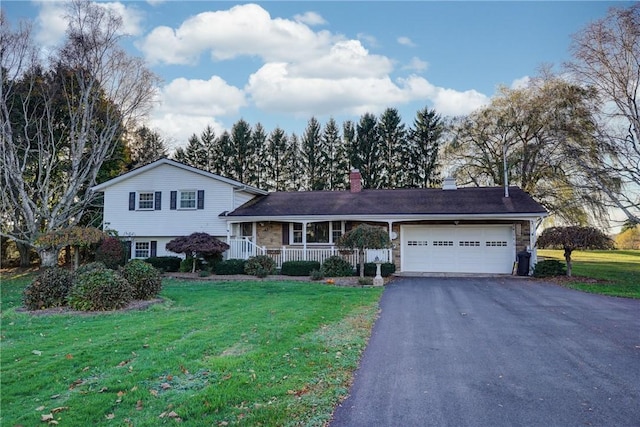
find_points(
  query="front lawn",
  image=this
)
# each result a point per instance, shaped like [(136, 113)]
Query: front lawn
[(213, 354), (617, 273)]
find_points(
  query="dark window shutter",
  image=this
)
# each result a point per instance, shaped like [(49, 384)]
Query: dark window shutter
[(132, 201), (285, 233), (158, 201), (200, 199), (154, 248), (174, 198)]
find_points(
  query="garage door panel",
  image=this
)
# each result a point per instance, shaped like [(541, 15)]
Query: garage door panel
[(457, 249)]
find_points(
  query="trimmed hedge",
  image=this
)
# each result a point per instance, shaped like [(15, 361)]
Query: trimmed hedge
[(168, 264), (260, 266), (49, 289), (230, 266), (336, 266), (549, 268), (144, 279), (299, 268), (386, 269), (100, 289)]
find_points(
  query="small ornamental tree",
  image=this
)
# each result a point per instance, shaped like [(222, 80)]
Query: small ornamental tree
[(49, 244), (363, 237), (572, 238), (197, 245)]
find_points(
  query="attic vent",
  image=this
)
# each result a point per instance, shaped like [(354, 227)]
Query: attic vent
[(449, 183)]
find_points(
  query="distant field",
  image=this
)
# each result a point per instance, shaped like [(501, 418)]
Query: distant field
[(616, 273)]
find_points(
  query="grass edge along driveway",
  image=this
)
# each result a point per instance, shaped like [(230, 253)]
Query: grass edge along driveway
[(218, 354)]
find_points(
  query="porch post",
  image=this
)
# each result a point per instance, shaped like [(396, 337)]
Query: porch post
[(390, 239), (304, 240), (227, 254)]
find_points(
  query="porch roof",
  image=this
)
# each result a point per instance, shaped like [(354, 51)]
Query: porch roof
[(481, 201)]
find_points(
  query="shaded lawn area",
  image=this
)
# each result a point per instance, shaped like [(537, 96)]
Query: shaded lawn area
[(617, 273), (214, 353)]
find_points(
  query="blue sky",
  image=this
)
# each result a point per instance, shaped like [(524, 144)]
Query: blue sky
[(279, 63)]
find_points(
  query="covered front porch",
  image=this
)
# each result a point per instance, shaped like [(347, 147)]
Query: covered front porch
[(301, 240)]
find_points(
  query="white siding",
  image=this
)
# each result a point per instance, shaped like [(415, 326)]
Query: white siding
[(241, 198), (219, 197)]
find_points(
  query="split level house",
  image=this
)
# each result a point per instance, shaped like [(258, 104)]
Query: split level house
[(432, 230)]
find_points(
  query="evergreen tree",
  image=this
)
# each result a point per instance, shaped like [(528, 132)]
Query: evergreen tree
[(336, 164), (258, 144), (193, 154), (274, 160), (209, 145), (311, 156), (393, 137), (293, 164), (421, 156), (223, 157), (242, 153), (367, 156), (146, 146)]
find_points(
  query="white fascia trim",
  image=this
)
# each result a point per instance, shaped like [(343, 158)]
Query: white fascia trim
[(145, 168), (385, 218)]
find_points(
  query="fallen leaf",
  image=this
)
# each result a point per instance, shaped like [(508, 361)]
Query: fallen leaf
[(134, 388), (121, 393), (145, 345), (154, 392), (45, 418), (169, 377), (75, 384), (85, 369), (40, 408), (139, 405), (165, 386), (69, 356), (53, 422), (59, 409), (110, 416), (184, 370), (55, 396), (102, 390), (123, 363), (36, 352)]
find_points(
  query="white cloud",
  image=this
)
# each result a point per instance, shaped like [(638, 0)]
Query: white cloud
[(521, 83), (368, 39), (405, 41), (187, 106), (245, 30), (51, 22), (310, 18), (177, 128), (416, 64)]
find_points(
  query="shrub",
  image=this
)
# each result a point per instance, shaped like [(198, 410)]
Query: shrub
[(299, 268), (110, 252), (316, 275), (365, 281), (386, 269), (100, 289), (336, 266), (144, 279), (260, 266), (97, 265), (49, 289), (549, 268), (230, 266), (186, 265), (165, 263)]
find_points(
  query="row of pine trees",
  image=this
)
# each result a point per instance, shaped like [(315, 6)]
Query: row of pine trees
[(387, 152)]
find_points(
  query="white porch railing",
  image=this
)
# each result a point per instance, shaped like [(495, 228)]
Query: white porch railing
[(244, 249)]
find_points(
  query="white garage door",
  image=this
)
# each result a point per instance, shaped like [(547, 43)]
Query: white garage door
[(457, 249)]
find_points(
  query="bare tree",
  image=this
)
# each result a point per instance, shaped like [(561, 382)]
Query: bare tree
[(61, 119), (607, 57)]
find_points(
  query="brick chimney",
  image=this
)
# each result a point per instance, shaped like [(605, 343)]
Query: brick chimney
[(449, 183), (355, 181)]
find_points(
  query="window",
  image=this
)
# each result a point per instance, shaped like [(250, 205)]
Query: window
[(246, 229), (468, 243), (145, 200), (188, 199), (143, 249), (318, 232), (496, 243), (417, 243), (442, 243), (336, 230)]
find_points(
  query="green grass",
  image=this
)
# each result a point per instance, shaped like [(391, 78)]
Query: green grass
[(213, 354), (617, 273)]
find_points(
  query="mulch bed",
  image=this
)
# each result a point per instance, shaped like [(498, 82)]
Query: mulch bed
[(132, 306), (337, 281), (563, 280)]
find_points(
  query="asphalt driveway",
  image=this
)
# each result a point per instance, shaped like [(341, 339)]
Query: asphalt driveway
[(497, 352)]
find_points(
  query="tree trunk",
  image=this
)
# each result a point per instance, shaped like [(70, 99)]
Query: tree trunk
[(361, 256), (567, 258), (48, 257), (25, 254), (76, 257), (193, 268)]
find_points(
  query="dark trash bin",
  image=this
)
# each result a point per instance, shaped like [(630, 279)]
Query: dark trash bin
[(523, 263)]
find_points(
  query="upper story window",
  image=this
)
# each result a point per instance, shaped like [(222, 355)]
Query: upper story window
[(188, 199), (145, 200)]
